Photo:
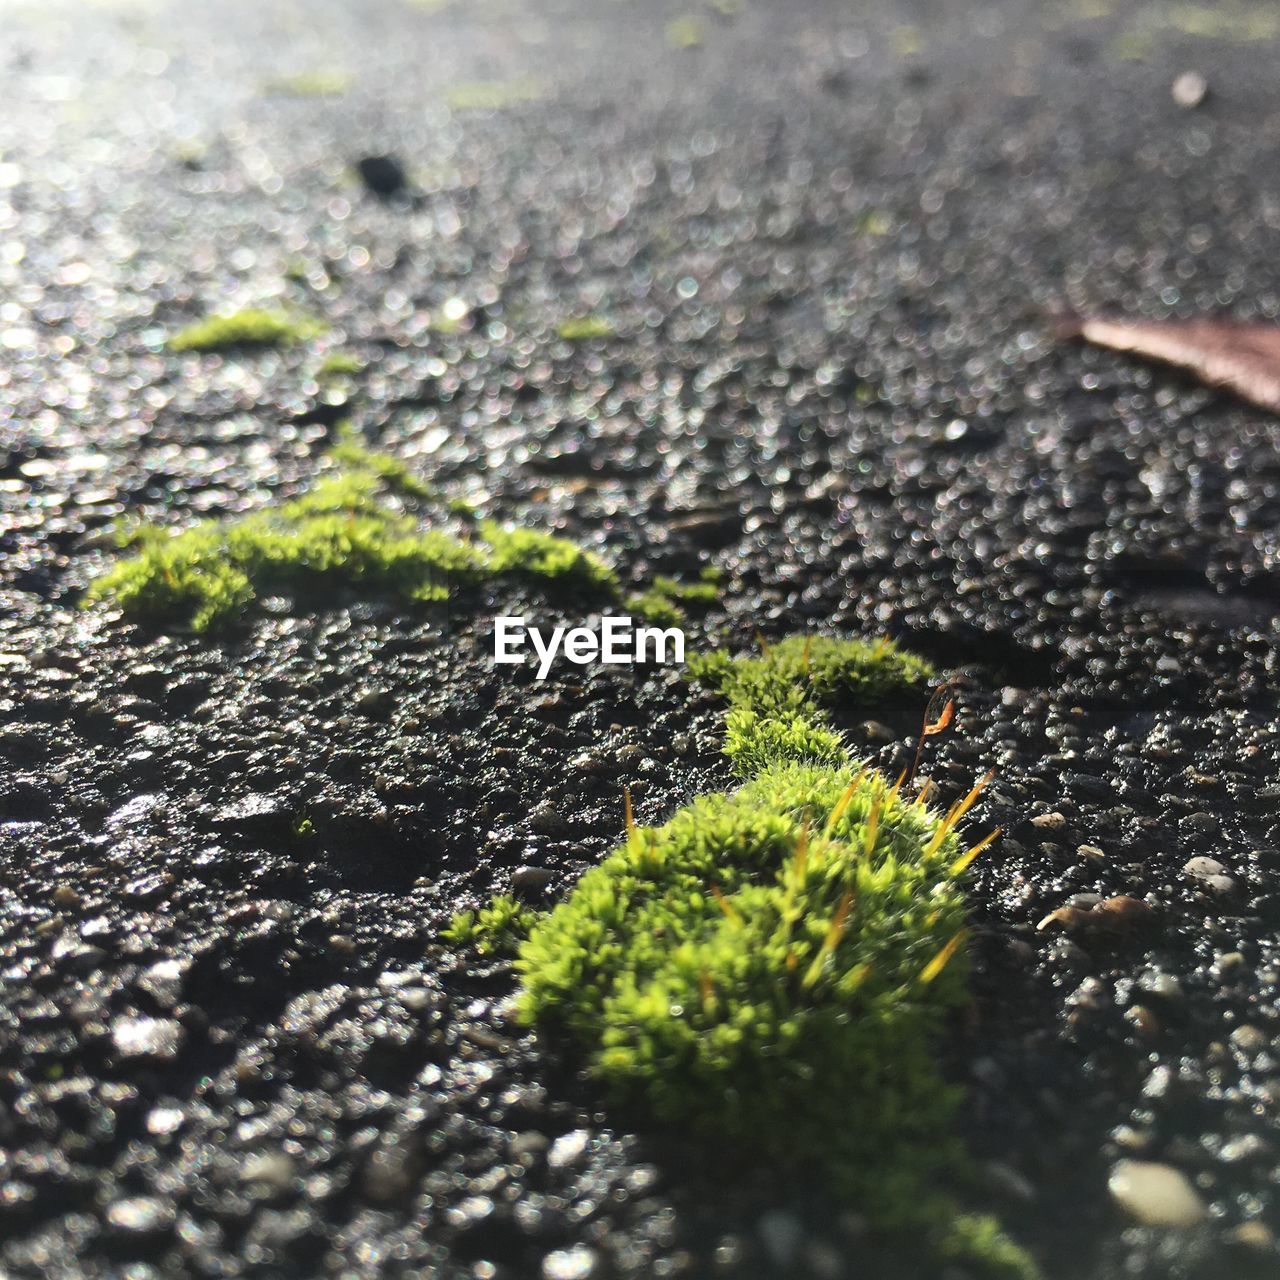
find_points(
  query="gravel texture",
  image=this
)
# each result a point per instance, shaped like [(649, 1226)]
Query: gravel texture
[(825, 238)]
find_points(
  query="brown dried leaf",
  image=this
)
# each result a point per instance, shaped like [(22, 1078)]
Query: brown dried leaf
[(1224, 353)]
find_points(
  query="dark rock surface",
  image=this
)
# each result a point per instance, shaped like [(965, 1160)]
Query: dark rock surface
[(825, 238)]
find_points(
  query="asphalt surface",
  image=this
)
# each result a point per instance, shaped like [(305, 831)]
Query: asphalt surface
[(826, 238)]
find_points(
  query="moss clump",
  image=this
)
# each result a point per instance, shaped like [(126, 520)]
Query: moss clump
[(686, 32), (758, 967), (252, 327), (753, 741), (772, 968), (497, 929), (778, 702), (656, 607), (323, 82), (663, 603), (584, 329), (339, 364), (493, 95), (351, 530)]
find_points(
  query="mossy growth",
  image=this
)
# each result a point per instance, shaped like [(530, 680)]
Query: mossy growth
[(779, 701), (663, 604), (251, 327), (339, 364), (322, 82), (352, 530), (494, 95), (585, 329), (497, 929), (772, 969), (686, 32)]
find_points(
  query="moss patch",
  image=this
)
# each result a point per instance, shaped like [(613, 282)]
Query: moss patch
[(339, 364), (494, 95), (772, 968), (584, 329), (778, 702), (686, 32), (252, 327), (664, 602), (497, 929), (352, 530), (323, 82)]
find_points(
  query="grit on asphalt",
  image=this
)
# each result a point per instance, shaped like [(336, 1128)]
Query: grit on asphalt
[(821, 240)]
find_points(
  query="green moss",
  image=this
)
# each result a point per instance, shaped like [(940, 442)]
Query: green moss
[(584, 329), (351, 530), (494, 95), (771, 970), (781, 699), (875, 222), (339, 364), (529, 553), (1238, 22), (656, 607), (663, 603), (754, 741), (686, 32), (324, 82), (497, 929), (252, 327)]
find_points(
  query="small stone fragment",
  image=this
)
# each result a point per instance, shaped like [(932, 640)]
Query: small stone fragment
[(1190, 89), (383, 175), (1157, 1195), (1249, 1039), (577, 1263), (568, 1150), (140, 1216), (1202, 868), (158, 1038), (1253, 1235)]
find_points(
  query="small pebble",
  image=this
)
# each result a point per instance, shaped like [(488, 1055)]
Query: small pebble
[(1163, 986), (1249, 1039), (1202, 868), (140, 1216), (1190, 89), (157, 1038), (568, 1149), (578, 1263), (1201, 823), (1157, 1195), (1253, 1235)]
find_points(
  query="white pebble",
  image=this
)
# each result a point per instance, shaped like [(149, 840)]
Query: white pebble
[(1203, 868), (1190, 89), (568, 1149), (1157, 1195), (569, 1264)]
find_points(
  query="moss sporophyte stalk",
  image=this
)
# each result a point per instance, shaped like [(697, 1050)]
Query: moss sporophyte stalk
[(774, 968)]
